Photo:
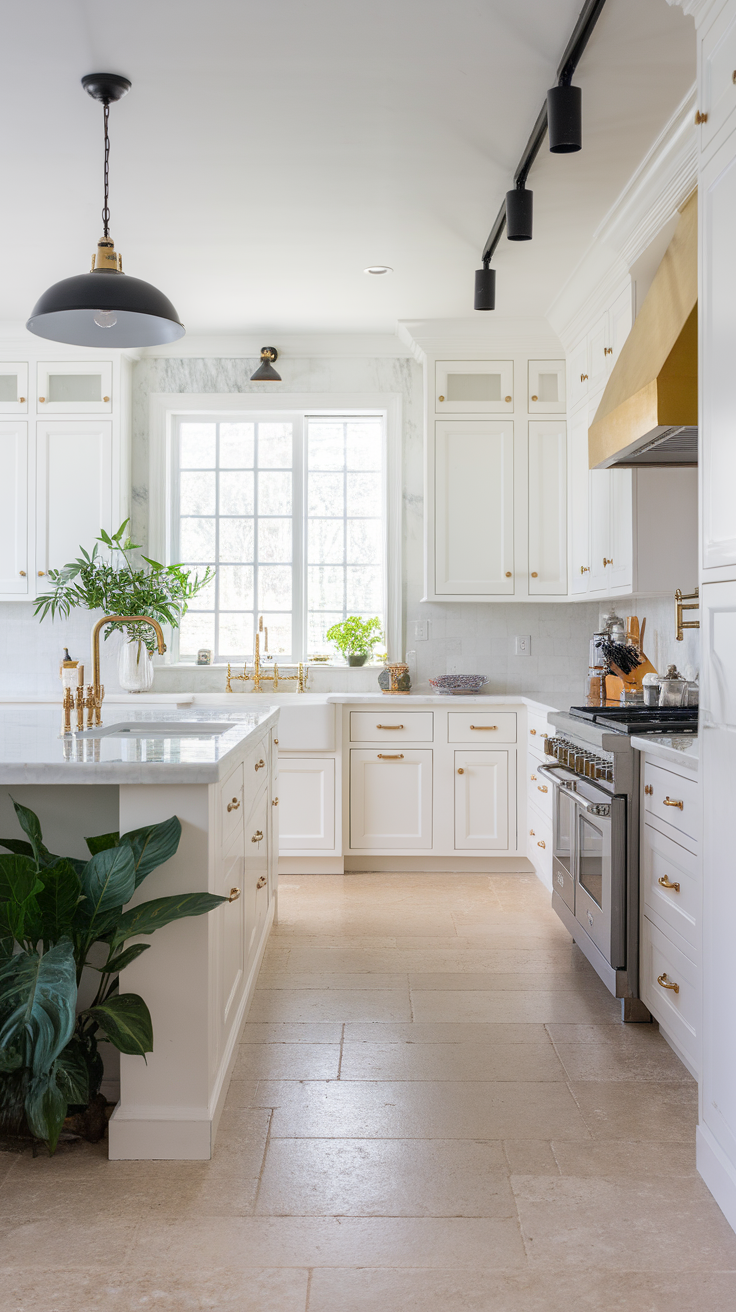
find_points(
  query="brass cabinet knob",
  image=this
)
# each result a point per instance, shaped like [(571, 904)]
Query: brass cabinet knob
[(42, 399), (532, 732), (531, 833), (21, 399), (533, 778), (607, 562), (260, 765), (664, 882), (275, 801), (258, 835), (648, 789), (507, 398), (700, 118), (106, 398), (585, 569), (535, 398), (541, 843), (22, 573), (460, 770), (442, 398), (542, 788), (233, 806), (275, 742), (262, 882), (534, 574), (508, 573), (669, 801), (666, 983), (583, 378), (234, 895), (41, 573)]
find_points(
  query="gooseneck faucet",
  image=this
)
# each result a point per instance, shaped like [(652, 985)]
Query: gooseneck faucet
[(96, 690)]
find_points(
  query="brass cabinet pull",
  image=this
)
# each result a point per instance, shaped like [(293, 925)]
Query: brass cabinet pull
[(262, 882), (389, 726), (508, 398), (260, 765), (668, 801), (383, 757), (532, 732), (41, 573), (460, 770), (700, 118), (541, 843), (608, 350), (606, 562), (649, 790), (275, 801), (258, 835), (533, 778), (542, 788), (664, 882), (484, 727), (442, 398), (666, 983), (234, 895), (535, 398), (233, 806), (534, 574), (22, 573), (583, 378), (531, 833), (585, 569)]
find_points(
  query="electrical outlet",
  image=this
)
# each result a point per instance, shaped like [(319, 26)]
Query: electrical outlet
[(523, 645), (421, 630)]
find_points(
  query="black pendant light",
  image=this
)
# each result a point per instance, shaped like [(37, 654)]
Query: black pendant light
[(105, 307), (485, 288), (265, 373), (519, 211)]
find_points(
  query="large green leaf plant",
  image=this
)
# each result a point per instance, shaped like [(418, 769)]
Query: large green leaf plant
[(53, 910)]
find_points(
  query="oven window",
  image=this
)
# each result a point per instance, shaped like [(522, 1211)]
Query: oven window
[(590, 860), (564, 821)]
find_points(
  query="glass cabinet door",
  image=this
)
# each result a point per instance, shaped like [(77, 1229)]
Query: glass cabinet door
[(13, 389), (474, 387), (546, 387), (75, 387)]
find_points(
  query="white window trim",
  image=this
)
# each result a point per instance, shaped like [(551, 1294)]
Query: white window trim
[(166, 407)]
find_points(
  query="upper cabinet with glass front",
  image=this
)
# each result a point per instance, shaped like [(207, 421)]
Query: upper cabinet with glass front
[(546, 387), (474, 387), (13, 389), (78, 387)]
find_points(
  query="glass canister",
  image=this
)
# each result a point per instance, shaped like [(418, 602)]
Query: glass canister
[(650, 689), (672, 687)]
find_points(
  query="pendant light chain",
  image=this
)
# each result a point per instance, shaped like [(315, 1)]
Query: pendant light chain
[(106, 207)]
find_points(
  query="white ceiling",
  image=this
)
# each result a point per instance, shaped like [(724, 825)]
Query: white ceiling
[(268, 152)]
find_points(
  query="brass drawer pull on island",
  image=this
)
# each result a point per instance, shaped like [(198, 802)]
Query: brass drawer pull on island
[(606, 562), (532, 732), (665, 983), (260, 765), (233, 806), (533, 778), (383, 757), (258, 835), (648, 789), (389, 726), (275, 801), (234, 895), (541, 843), (486, 727), (542, 788), (262, 882), (668, 801), (665, 883)]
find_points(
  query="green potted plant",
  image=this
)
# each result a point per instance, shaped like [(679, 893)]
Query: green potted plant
[(112, 582), (355, 638)]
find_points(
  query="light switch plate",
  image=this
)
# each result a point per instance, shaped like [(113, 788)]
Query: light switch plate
[(421, 630), (523, 645)]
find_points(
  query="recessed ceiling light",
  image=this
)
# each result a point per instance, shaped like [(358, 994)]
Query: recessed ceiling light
[(378, 268)]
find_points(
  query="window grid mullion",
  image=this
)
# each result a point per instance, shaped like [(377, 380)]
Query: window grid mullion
[(217, 542)]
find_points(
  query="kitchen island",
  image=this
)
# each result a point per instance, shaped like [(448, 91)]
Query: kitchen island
[(216, 773)]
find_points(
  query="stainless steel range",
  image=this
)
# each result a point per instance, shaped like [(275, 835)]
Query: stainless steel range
[(595, 873)]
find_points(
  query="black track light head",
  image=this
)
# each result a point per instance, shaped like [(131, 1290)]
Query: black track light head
[(519, 209), (565, 119), (485, 288)]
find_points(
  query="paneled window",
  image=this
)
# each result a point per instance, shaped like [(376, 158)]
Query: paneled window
[(290, 511)]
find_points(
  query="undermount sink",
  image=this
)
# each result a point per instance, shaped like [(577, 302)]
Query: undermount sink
[(156, 729)]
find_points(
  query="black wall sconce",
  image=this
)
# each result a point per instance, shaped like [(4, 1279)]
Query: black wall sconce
[(265, 373)]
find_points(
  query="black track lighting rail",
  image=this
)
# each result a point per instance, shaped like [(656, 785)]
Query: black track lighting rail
[(587, 19)]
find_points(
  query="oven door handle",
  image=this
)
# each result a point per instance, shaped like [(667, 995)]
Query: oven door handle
[(601, 809)]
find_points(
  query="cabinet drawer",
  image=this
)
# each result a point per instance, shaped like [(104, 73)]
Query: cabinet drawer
[(674, 800), (257, 761), (538, 790), (482, 728), (391, 726), (231, 804), (537, 731), (677, 1011), (539, 844), (663, 863)]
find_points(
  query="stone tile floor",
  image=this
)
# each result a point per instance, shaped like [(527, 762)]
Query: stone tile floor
[(435, 1108)]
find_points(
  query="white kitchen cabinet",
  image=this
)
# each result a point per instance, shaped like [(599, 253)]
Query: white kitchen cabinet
[(74, 489), (232, 960), (306, 792), (13, 388), (716, 83), (14, 564), (391, 799), (257, 891), (482, 780), (474, 387), (717, 313), (577, 374), (578, 504), (546, 394), (547, 507), (472, 497), (78, 387)]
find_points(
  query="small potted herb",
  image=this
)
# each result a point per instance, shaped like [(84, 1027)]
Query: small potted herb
[(355, 638)]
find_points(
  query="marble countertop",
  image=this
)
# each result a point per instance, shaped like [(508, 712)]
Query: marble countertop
[(538, 701), (32, 751), (678, 749)]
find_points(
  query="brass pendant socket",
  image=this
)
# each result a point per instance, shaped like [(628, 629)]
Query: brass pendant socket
[(106, 256)]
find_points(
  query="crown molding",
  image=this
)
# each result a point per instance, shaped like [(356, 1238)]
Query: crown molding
[(696, 8), (486, 337), (305, 346)]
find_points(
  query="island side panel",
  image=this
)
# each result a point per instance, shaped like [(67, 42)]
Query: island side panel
[(164, 1109)]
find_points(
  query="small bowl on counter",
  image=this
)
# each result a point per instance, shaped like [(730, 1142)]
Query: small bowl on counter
[(458, 685)]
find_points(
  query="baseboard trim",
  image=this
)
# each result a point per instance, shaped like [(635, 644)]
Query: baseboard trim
[(450, 865), (717, 1171), (311, 865)]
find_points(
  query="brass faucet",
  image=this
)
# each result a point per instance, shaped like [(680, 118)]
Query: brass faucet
[(95, 690), (685, 601), (300, 678)]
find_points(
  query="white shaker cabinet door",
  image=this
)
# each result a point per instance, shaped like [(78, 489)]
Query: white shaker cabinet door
[(306, 804), (473, 472), (578, 503), (547, 507), (600, 530), (14, 577), (74, 489), (482, 801), (717, 309), (256, 874), (391, 798)]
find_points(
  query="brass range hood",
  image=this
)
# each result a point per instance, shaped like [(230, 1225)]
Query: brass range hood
[(648, 413)]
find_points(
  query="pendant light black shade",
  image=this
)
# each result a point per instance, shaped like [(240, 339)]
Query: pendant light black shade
[(485, 289), (105, 307), (265, 373), (519, 209), (565, 119)]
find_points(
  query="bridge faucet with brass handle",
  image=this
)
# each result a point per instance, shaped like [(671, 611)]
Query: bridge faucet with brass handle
[(95, 690)]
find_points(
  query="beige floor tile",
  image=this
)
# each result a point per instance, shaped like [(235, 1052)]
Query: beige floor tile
[(531, 1156), (451, 960), (559, 1291), (385, 1177), (68, 1241), (629, 1038), (324, 979), (287, 1061), (538, 981), (210, 1289), (241, 1090), (510, 1008), (623, 1224), (640, 1160), (290, 1032), (241, 1137), (607, 1061), (417, 1110), (638, 1110), (450, 1061), (330, 1005), (444, 1032), (244, 1242)]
